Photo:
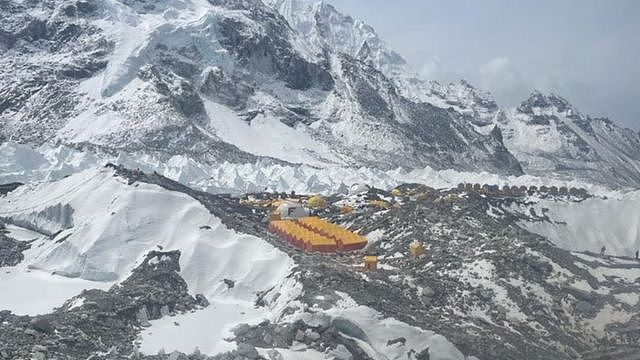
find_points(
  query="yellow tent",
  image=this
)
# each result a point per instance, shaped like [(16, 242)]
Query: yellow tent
[(370, 262), (316, 202), (346, 209), (396, 192), (379, 204), (416, 249)]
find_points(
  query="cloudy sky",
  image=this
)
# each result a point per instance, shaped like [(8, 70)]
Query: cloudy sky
[(587, 51)]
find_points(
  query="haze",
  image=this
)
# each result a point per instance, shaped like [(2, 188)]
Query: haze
[(586, 51)]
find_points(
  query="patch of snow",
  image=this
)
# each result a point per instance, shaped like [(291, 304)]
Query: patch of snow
[(77, 302), (628, 298), (27, 291), (204, 329), (375, 236), (627, 275), (481, 273), (22, 234), (294, 353), (378, 330), (608, 315), (266, 136), (115, 225)]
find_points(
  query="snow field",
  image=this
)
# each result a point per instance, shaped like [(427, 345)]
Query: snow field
[(592, 223)]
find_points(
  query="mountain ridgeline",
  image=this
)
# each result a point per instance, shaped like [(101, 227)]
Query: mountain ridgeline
[(291, 80)]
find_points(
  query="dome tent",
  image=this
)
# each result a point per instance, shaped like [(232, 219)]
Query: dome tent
[(358, 189), (292, 211), (317, 202)]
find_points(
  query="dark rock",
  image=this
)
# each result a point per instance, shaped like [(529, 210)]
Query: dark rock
[(42, 324), (247, 351), (201, 300), (423, 355), (584, 307), (400, 340), (230, 283)]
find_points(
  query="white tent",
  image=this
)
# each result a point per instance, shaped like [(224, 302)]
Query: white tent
[(358, 189), (292, 211)]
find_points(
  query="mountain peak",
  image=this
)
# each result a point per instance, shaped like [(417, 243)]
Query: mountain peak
[(538, 100), (323, 26)]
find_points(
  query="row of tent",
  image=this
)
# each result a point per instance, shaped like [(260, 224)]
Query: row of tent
[(521, 190), (315, 234)]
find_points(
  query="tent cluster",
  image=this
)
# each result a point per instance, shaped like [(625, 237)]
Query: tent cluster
[(522, 190), (315, 234)]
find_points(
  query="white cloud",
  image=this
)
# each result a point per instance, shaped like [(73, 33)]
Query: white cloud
[(495, 66)]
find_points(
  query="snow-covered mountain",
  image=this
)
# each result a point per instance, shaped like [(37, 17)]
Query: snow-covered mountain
[(547, 134), (292, 80), (222, 80)]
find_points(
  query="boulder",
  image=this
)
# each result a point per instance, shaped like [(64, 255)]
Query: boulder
[(400, 340), (201, 300), (274, 355), (348, 328), (248, 351), (42, 324), (341, 353)]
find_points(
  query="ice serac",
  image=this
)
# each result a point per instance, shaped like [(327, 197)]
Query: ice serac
[(549, 135)]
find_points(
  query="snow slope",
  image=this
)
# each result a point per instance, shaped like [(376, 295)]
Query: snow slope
[(28, 291), (591, 224), (115, 225), (268, 136), (376, 331)]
